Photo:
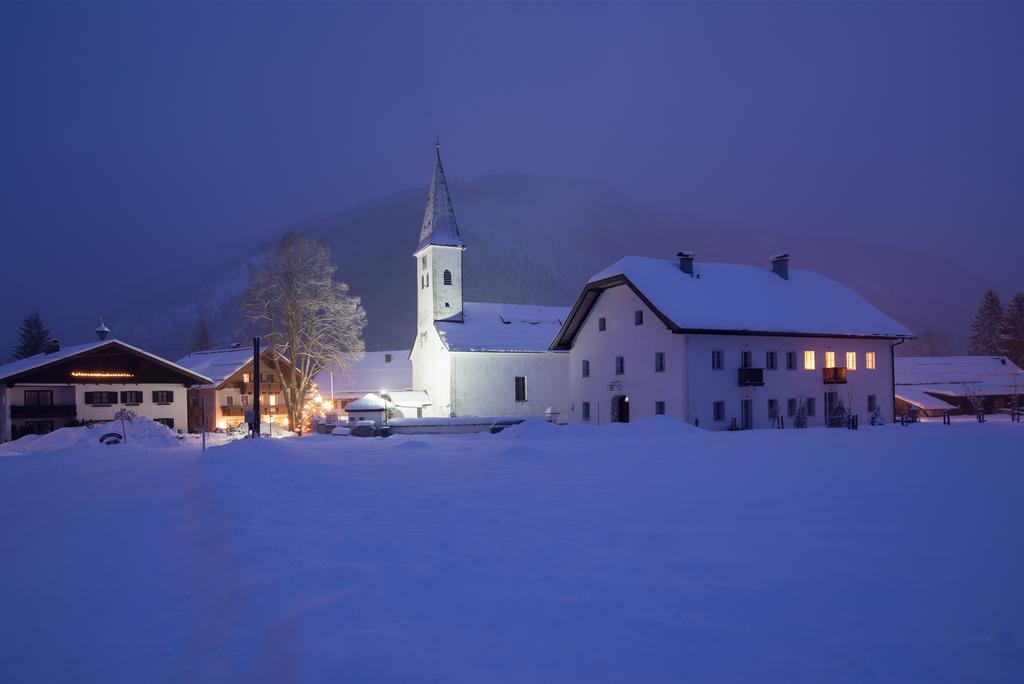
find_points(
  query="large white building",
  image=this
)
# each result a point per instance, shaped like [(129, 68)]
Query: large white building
[(725, 345), (471, 358)]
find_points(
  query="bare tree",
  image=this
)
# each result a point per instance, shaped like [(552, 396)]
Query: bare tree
[(972, 393), (928, 343), (307, 317)]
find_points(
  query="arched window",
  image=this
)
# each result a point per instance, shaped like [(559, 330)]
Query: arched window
[(447, 277)]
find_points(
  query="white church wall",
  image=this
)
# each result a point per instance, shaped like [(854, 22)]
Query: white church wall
[(484, 383), (431, 371), (637, 344)]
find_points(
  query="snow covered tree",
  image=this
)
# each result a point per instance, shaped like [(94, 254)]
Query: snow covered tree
[(305, 315), (1011, 332), (985, 329), (32, 337)]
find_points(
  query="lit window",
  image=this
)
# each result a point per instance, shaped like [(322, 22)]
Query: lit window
[(830, 359), (273, 400), (851, 360), (245, 377), (809, 359), (869, 360)]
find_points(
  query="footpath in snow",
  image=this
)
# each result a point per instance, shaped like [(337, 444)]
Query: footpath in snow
[(649, 552)]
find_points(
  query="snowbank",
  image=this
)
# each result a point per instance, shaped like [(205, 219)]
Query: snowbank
[(141, 431), (648, 552)]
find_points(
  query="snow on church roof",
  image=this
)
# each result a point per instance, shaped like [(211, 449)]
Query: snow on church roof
[(439, 226), (503, 327), (735, 298)]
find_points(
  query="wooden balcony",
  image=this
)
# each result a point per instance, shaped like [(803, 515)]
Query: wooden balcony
[(51, 411), (265, 387), (834, 376), (751, 377)]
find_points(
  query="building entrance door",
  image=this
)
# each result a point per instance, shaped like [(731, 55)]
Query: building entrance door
[(620, 409)]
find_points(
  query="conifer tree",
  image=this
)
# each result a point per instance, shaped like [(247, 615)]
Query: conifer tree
[(985, 329), (1011, 332), (202, 340), (32, 338)]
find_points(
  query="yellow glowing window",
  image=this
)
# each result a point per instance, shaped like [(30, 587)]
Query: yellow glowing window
[(851, 360), (809, 359), (245, 377), (273, 400), (869, 360), (830, 359)]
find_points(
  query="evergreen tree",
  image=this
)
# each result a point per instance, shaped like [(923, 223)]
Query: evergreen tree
[(1011, 332), (202, 340), (985, 329), (32, 338)]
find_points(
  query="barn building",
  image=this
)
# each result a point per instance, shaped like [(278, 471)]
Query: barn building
[(958, 384)]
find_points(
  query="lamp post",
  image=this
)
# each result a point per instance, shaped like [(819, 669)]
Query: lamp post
[(384, 396)]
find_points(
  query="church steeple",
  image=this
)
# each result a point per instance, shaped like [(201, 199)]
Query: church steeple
[(439, 226), (439, 256)]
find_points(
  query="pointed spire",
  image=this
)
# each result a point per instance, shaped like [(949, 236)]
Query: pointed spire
[(439, 226)]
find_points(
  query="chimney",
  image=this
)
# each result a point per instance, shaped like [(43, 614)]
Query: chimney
[(686, 261), (102, 331), (51, 346), (780, 266)]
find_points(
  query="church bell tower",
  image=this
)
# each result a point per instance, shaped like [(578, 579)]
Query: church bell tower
[(439, 256)]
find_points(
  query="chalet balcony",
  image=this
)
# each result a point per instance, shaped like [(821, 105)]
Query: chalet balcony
[(834, 376), (265, 387), (51, 411), (231, 411), (751, 377)]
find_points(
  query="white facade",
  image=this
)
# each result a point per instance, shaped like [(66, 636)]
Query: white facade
[(471, 358), (622, 348), (48, 391)]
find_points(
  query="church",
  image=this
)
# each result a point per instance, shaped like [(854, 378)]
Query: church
[(477, 358)]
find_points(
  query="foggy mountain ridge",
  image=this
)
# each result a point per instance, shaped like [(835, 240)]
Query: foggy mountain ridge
[(536, 240)]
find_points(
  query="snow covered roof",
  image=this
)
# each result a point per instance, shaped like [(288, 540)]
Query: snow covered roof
[(410, 399), (42, 360), (503, 327), (920, 398), (219, 364), (737, 299), (439, 226), (368, 402), (947, 375), (372, 372)]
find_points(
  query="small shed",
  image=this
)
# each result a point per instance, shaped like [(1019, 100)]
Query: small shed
[(367, 407)]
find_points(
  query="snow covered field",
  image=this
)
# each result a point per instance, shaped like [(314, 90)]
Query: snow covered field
[(650, 552)]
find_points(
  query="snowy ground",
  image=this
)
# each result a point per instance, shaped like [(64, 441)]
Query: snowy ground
[(651, 552)]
